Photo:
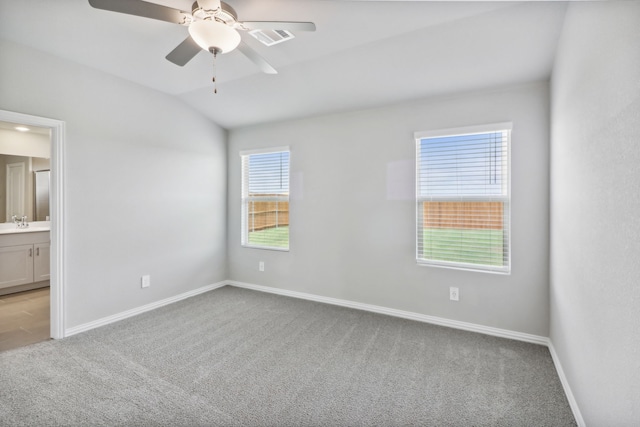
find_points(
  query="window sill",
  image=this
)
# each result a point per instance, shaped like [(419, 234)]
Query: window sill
[(464, 267), (268, 248)]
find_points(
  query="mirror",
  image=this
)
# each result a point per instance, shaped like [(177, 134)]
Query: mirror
[(24, 173)]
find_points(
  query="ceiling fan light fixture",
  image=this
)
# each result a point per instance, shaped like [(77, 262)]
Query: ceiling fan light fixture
[(212, 35)]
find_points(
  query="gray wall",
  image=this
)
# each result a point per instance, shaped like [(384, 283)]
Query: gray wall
[(595, 186), (353, 210), (145, 183)]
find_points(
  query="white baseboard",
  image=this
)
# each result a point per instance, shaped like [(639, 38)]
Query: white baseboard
[(139, 310), (488, 330), (565, 385)]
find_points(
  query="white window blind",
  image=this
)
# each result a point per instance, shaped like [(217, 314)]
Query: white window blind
[(463, 198), (265, 199)]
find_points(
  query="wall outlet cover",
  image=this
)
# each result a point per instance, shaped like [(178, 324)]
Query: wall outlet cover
[(454, 293), (145, 281)]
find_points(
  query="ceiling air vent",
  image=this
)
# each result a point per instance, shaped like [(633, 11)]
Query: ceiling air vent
[(271, 37)]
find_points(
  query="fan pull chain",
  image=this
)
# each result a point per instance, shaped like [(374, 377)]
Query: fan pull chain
[(214, 51), (215, 84)]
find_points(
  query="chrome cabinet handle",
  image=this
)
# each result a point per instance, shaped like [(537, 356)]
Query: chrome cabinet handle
[(37, 251), (30, 252)]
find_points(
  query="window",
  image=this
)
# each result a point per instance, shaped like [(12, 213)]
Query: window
[(265, 198), (463, 195)]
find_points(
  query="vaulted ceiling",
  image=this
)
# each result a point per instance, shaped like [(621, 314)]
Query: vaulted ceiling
[(363, 54)]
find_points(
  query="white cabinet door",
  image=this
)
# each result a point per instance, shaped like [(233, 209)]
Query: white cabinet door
[(16, 265), (41, 262)]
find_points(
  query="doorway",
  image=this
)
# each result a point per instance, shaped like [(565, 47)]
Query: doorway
[(57, 208)]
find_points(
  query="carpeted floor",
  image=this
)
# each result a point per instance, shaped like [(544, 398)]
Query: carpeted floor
[(238, 357)]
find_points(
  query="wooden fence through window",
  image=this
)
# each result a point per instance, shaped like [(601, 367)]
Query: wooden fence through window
[(463, 215), (264, 215)]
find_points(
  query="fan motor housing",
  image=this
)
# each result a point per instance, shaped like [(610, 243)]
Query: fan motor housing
[(225, 14)]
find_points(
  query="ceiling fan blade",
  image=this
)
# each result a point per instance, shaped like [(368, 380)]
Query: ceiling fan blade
[(264, 66), (279, 25), (140, 8), (184, 52)]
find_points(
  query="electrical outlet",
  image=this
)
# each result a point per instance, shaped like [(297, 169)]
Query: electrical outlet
[(145, 281), (454, 293), (261, 266)]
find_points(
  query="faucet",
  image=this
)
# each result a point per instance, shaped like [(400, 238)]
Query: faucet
[(20, 223)]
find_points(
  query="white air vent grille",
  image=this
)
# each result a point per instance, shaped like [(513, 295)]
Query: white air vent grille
[(271, 37)]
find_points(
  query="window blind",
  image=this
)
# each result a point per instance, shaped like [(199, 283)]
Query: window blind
[(265, 199), (463, 200)]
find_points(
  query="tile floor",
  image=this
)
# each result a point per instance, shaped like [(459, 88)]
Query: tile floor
[(24, 318)]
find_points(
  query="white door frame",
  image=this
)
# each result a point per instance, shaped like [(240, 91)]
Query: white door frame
[(57, 213)]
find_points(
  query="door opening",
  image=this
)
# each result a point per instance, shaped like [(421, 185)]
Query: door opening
[(57, 209)]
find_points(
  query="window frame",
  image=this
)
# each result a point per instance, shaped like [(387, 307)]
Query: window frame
[(504, 198), (244, 215)]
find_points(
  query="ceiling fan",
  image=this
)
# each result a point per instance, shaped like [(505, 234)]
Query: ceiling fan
[(213, 26)]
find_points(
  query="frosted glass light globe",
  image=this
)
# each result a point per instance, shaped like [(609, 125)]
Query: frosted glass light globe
[(214, 35)]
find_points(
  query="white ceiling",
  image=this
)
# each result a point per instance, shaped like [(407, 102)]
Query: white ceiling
[(363, 54)]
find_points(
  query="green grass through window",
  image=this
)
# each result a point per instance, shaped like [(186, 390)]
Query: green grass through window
[(483, 247), (271, 237)]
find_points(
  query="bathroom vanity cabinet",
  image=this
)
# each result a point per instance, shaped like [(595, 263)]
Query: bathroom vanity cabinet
[(24, 258)]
